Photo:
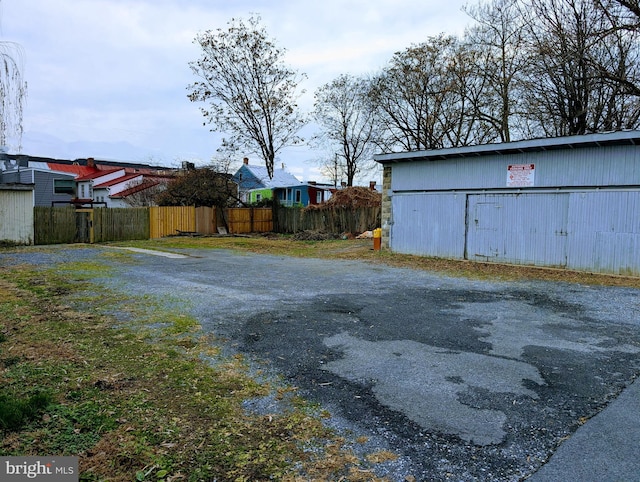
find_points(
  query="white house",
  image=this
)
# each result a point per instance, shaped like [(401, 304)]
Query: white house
[(85, 184), (106, 192)]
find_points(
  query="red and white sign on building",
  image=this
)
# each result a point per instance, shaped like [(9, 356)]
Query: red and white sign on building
[(521, 175)]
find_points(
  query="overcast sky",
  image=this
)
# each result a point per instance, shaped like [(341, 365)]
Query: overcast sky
[(108, 78)]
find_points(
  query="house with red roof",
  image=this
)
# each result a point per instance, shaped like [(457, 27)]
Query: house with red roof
[(83, 181), (85, 185), (106, 191)]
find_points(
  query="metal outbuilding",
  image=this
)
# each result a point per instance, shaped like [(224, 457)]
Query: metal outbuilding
[(570, 202), (16, 213)]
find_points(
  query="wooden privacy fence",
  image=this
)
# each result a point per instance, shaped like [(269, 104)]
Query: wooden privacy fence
[(333, 220), (61, 225), (207, 220), (120, 224), (54, 225), (249, 220), (169, 220)]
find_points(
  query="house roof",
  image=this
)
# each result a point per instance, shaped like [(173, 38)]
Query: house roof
[(533, 145), (281, 178), (75, 169), (134, 189), (118, 180), (96, 174)]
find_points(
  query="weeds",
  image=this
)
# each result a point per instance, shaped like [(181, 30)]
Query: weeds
[(16, 412)]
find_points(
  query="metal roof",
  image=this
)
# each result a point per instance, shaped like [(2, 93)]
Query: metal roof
[(17, 187), (117, 180), (98, 174), (631, 137), (281, 178)]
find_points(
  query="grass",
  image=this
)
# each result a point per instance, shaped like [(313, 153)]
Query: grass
[(16, 412), (146, 399)]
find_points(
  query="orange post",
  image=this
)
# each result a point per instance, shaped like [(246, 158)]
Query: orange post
[(377, 239)]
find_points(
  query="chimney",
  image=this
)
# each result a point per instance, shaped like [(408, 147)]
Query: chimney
[(283, 166), (245, 161), (372, 185), (91, 162)]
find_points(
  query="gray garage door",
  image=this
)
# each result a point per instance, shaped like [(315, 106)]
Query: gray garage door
[(518, 228)]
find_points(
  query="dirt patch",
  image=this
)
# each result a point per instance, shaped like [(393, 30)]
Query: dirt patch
[(314, 236)]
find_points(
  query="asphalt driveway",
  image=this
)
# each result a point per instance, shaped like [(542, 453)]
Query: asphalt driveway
[(463, 379)]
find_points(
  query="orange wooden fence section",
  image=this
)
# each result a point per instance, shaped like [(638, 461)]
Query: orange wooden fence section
[(173, 220), (169, 220)]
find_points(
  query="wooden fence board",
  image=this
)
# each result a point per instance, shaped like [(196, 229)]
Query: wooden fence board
[(334, 220), (120, 224), (206, 220), (168, 220), (249, 220), (54, 225)]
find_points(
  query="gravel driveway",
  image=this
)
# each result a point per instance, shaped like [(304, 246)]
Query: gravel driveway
[(464, 379)]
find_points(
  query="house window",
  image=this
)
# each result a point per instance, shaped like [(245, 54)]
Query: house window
[(288, 194), (258, 197), (318, 197), (63, 186), (82, 191), (298, 196)]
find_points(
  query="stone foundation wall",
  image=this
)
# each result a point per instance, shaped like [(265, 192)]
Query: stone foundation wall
[(386, 214)]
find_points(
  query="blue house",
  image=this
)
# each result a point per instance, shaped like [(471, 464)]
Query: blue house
[(255, 185), (304, 194)]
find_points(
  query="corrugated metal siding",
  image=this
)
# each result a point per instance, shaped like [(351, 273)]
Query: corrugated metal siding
[(605, 166), (604, 232), (428, 224), (596, 231), (518, 228), (16, 216)]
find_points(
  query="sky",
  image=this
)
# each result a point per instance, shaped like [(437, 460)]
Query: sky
[(109, 78)]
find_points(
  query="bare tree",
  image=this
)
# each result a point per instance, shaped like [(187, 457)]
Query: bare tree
[(143, 194), (463, 122), (620, 63), (251, 93), (343, 111), (568, 90), (331, 168), (13, 93), (418, 97), (498, 40)]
